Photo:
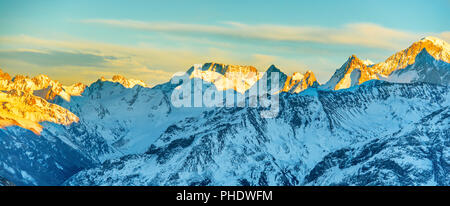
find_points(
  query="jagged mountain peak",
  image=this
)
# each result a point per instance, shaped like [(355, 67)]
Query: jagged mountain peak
[(127, 83), (4, 76), (273, 68), (27, 101), (425, 69), (424, 55), (30, 84), (436, 41), (356, 71), (223, 69), (26, 110), (437, 48), (76, 89), (41, 85), (310, 76), (267, 76), (226, 76), (5, 80), (297, 76), (353, 72), (19, 77), (227, 68), (231, 71), (242, 78), (41, 78), (299, 82), (354, 60), (368, 62)]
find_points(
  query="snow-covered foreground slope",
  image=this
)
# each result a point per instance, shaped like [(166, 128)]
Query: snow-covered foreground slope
[(418, 154), (48, 159), (235, 146)]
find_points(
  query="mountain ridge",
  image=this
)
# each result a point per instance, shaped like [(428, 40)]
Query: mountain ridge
[(354, 71), (241, 78), (119, 131), (234, 146)]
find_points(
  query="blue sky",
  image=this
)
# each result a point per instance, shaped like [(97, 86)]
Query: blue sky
[(82, 40)]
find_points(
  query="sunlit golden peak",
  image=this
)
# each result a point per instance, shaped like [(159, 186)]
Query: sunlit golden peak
[(128, 83)]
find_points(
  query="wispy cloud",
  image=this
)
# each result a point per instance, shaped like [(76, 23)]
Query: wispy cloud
[(89, 60), (445, 36), (56, 58), (73, 59), (360, 34), (86, 60)]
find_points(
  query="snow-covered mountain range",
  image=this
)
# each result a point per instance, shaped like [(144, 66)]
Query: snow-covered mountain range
[(370, 124), (23, 106), (356, 71), (235, 146)]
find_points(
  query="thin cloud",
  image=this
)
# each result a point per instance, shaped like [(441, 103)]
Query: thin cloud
[(153, 65), (56, 58), (360, 34), (445, 36)]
